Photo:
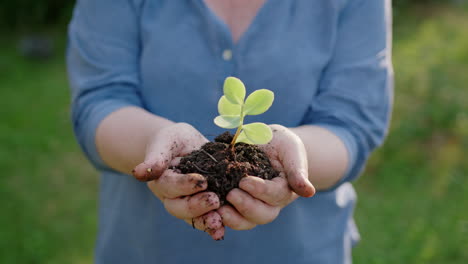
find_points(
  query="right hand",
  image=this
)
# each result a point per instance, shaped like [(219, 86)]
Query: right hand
[(183, 195)]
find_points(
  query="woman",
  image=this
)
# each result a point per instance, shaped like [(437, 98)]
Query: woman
[(146, 76)]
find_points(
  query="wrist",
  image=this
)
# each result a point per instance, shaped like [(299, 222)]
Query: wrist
[(123, 136)]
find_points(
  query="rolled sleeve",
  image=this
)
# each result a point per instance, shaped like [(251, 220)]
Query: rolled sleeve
[(354, 98), (102, 60)]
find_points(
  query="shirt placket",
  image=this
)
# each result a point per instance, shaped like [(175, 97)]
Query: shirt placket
[(220, 41)]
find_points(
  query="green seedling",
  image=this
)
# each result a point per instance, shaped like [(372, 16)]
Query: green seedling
[(232, 110)]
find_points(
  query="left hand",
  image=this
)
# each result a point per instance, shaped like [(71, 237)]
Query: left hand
[(259, 201), (183, 195)]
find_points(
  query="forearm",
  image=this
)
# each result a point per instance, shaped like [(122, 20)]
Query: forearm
[(122, 137), (327, 155)]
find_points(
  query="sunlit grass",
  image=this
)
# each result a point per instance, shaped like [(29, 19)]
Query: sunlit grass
[(413, 205)]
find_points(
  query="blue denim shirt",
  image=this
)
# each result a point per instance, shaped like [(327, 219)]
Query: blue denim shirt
[(328, 63)]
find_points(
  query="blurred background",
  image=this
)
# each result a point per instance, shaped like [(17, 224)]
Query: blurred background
[(413, 197)]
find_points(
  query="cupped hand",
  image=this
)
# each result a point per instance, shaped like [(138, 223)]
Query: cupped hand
[(183, 195), (259, 201)]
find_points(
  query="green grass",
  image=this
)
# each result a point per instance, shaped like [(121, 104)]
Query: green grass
[(413, 198), (48, 190)]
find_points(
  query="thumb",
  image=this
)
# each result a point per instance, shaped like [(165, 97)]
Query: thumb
[(294, 160), (158, 157), (299, 182), (292, 155), (152, 168)]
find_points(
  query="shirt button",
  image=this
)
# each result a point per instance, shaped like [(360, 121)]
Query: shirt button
[(227, 54)]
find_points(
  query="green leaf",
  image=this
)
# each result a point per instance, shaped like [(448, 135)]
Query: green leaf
[(243, 138), (258, 133), (226, 108), (228, 121), (258, 102), (234, 90)]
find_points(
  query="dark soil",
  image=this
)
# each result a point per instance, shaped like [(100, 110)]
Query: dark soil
[(224, 168)]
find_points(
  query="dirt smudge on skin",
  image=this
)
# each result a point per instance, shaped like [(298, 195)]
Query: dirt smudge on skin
[(199, 184)]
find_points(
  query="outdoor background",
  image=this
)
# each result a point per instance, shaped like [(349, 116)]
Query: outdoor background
[(413, 197)]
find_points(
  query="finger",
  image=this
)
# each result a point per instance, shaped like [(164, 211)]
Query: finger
[(172, 185), (252, 209), (210, 222), (275, 192), (299, 182), (294, 160), (156, 191), (231, 218), (216, 234), (192, 206), (157, 160), (148, 171)]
